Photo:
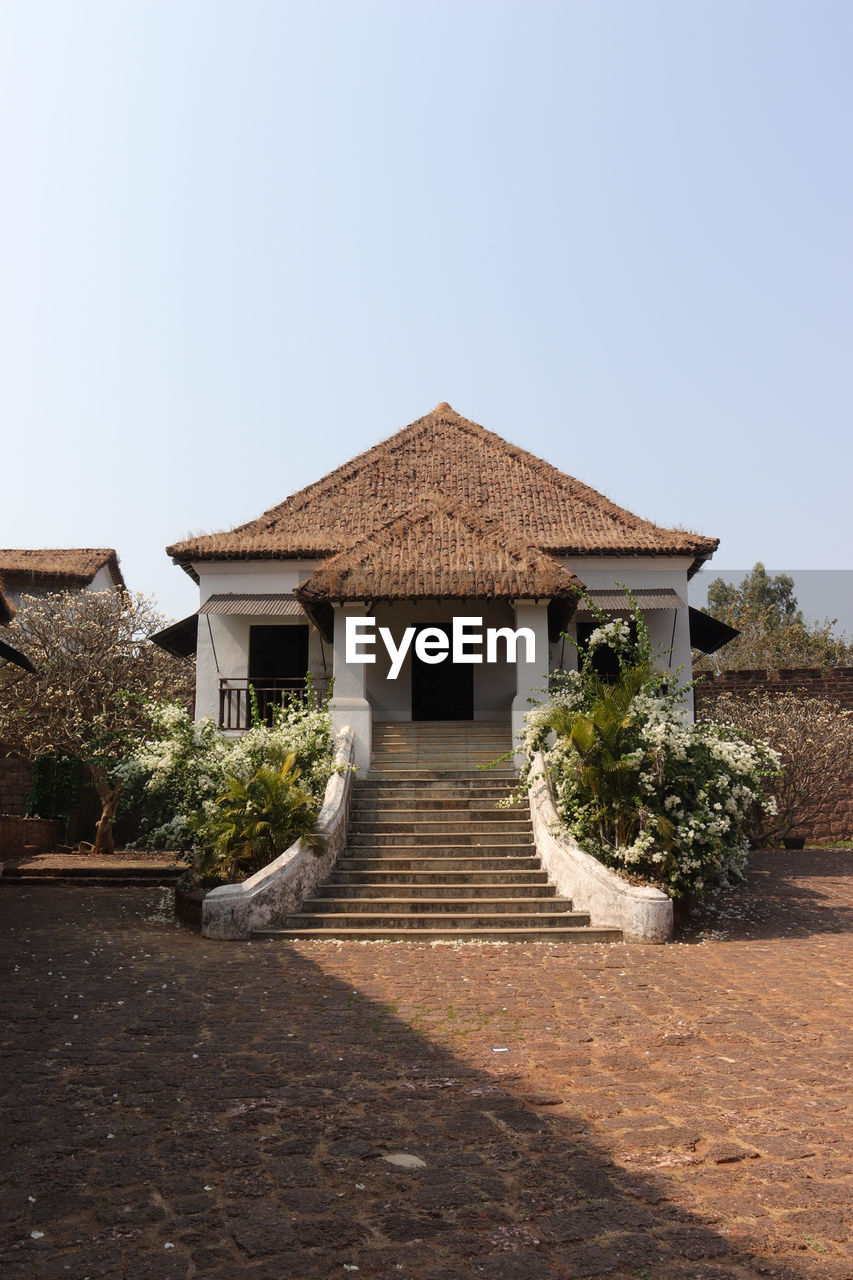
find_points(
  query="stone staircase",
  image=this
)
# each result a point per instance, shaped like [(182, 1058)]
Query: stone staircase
[(430, 856)]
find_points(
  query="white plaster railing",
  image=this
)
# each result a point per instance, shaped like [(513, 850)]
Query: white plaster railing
[(643, 913), (279, 889)]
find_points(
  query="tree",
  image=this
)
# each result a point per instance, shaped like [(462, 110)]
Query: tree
[(773, 632), (759, 597), (95, 666)]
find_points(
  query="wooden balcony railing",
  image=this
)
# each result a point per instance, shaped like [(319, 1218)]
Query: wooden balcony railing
[(235, 698)]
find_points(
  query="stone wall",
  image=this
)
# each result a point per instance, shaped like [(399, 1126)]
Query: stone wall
[(835, 818)]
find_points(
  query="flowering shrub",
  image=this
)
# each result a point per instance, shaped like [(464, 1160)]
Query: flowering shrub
[(175, 778), (814, 738), (252, 822), (652, 796)]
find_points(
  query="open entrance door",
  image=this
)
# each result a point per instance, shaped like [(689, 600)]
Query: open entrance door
[(441, 690), (278, 661)]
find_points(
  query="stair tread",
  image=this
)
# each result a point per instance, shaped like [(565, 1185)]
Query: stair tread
[(579, 932), (484, 905)]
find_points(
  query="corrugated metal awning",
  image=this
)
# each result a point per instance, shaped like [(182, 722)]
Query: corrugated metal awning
[(263, 606), (646, 598)]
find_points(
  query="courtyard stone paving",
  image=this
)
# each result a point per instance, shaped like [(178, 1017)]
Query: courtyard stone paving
[(176, 1108)]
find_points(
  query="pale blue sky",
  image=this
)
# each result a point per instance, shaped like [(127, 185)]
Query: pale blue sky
[(240, 242)]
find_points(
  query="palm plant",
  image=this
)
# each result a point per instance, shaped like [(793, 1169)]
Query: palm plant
[(602, 742), (255, 820)]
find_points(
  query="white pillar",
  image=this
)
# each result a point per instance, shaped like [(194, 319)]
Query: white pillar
[(531, 678), (349, 705), (682, 656)]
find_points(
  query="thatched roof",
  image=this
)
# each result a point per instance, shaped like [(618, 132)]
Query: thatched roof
[(441, 550), (444, 453), (63, 567)]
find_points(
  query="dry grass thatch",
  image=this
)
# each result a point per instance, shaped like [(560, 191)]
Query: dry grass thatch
[(444, 453), (444, 550), (64, 566)]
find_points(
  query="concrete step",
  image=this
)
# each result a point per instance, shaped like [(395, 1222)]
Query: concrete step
[(440, 730), (441, 920), (419, 798), (527, 876), (462, 751), (417, 775), (467, 887), (432, 790), (465, 811), (466, 933), (461, 808), (498, 773), (454, 836), (403, 904), (441, 742), (415, 862), (504, 827)]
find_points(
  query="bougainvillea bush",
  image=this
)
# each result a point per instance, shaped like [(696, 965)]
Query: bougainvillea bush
[(657, 798), (175, 780)]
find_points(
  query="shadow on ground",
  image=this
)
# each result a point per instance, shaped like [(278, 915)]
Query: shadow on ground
[(789, 894), (174, 1108)]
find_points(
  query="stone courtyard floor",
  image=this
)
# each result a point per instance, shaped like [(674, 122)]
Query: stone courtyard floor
[(176, 1108)]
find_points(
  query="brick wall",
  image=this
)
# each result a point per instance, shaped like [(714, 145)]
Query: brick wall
[(835, 818), (27, 835), (15, 782), (835, 683), (15, 788)]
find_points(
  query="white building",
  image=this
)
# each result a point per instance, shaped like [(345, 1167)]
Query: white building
[(442, 521)]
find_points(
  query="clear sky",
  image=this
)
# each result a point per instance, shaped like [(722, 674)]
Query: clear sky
[(242, 241)]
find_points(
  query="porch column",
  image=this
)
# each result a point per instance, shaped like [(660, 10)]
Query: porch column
[(349, 703), (531, 678)]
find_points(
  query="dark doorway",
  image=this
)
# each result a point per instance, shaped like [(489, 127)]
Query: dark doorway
[(278, 651), (605, 662), (443, 690), (278, 662)]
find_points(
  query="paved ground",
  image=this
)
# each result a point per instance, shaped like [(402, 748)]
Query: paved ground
[(123, 858), (176, 1108)]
